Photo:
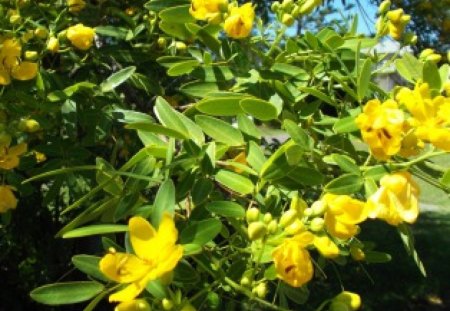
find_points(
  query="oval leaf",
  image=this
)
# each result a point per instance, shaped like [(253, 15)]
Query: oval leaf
[(94, 230), (235, 182), (345, 184), (226, 209), (260, 109), (117, 79), (66, 293)]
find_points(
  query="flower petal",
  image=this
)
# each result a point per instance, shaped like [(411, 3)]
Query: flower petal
[(141, 233), (25, 71), (123, 268)]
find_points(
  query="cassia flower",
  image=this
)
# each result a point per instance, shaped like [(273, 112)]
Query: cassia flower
[(382, 126), (343, 215), (10, 64), (326, 247), (156, 254), (239, 23), (396, 200), (10, 156), (80, 36), (430, 114), (7, 199), (207, 9), (292, 260)]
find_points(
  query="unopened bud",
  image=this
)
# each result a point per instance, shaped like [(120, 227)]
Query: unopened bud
[(318, 208), (261, 290), (317, 224), (167, 304), (256, 230), (162, 43), (135, 305), (287, 19), (295, 228), (272, 226), (287, 5), (15, 19), (352, 300), (252, 214), (180, 46), (384, 6), (31, 55), (275, 6), (41, 32), (245, 281), (53, 45), (188, 307), (288, 218), (267, 218), (357, 253), (435, 58), (29, 125)]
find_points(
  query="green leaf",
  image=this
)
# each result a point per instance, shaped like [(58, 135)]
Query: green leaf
[(94, 230), (111, 31), (90, 265), (299, 295), (117, 79), (234, 181), (164, 202), (182, 68), (158, 5), (247, 126), (408, 241), (290, 70), (226, 209), (345, 184), (201, 190), (345, 125), (177, 14), (346, 163), (201, 232), (220, 106), (199, 88), (364, 79), (66, 293), (220, 130), (409, 68), (316, 93), (157, 129), (255, 156), (213, 73), (298, 135), (260, 109), (178, 31), (306, 176), (157, 289), (177, 121), (431, 75)]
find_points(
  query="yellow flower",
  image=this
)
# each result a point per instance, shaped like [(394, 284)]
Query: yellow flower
[(326, 246), (10, 64), (382, 127), (308, 6), (430, 115), (76, 6), (9, 156), (156, 254), (80, 36), (7, 199), (396, 200), (292, 260), (53, 44), (133, 305), (343, 215), (351, 300), (239, 23), (207, 9), (397, 23)]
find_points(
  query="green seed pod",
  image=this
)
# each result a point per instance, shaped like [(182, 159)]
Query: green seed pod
[(256, 230), (252, 214), (317, 224)]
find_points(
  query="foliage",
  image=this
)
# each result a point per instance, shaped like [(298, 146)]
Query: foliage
[(143, 126)]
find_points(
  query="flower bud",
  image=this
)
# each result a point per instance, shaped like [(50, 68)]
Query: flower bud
[(252, 214), (352, 300), (261, 290), (316, 224), (295, 228), (357, 253), (287, 19), (256, 230), (41, 32), (318, 208), (308, 6), (435, 58), (29, 125), (162, 43), (267, 218), (308, 212), (395, 16), (339, 306), (167, 304), (296, 11), (272, 227), (245, 281), (410, 38), (384, 6), (31, 55), (180, 46), (275, 6), (15, 19), (53, 45), (298, 204), (287, 5), (288, 218), (405, 19)]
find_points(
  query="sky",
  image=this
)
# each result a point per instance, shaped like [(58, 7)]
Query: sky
[(366, 11)]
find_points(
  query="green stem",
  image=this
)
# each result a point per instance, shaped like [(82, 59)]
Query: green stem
[(277, 41)]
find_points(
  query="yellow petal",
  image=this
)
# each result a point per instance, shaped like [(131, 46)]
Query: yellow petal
[(18, 149), (7, 199), (128, 293), (5, 79), (326, 246), (123, 268), (141, 233), (25, 71)]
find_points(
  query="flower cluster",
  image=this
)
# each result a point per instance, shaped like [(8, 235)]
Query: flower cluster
[(11, 64), (393, 23), (237, 20), (390, 130)]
